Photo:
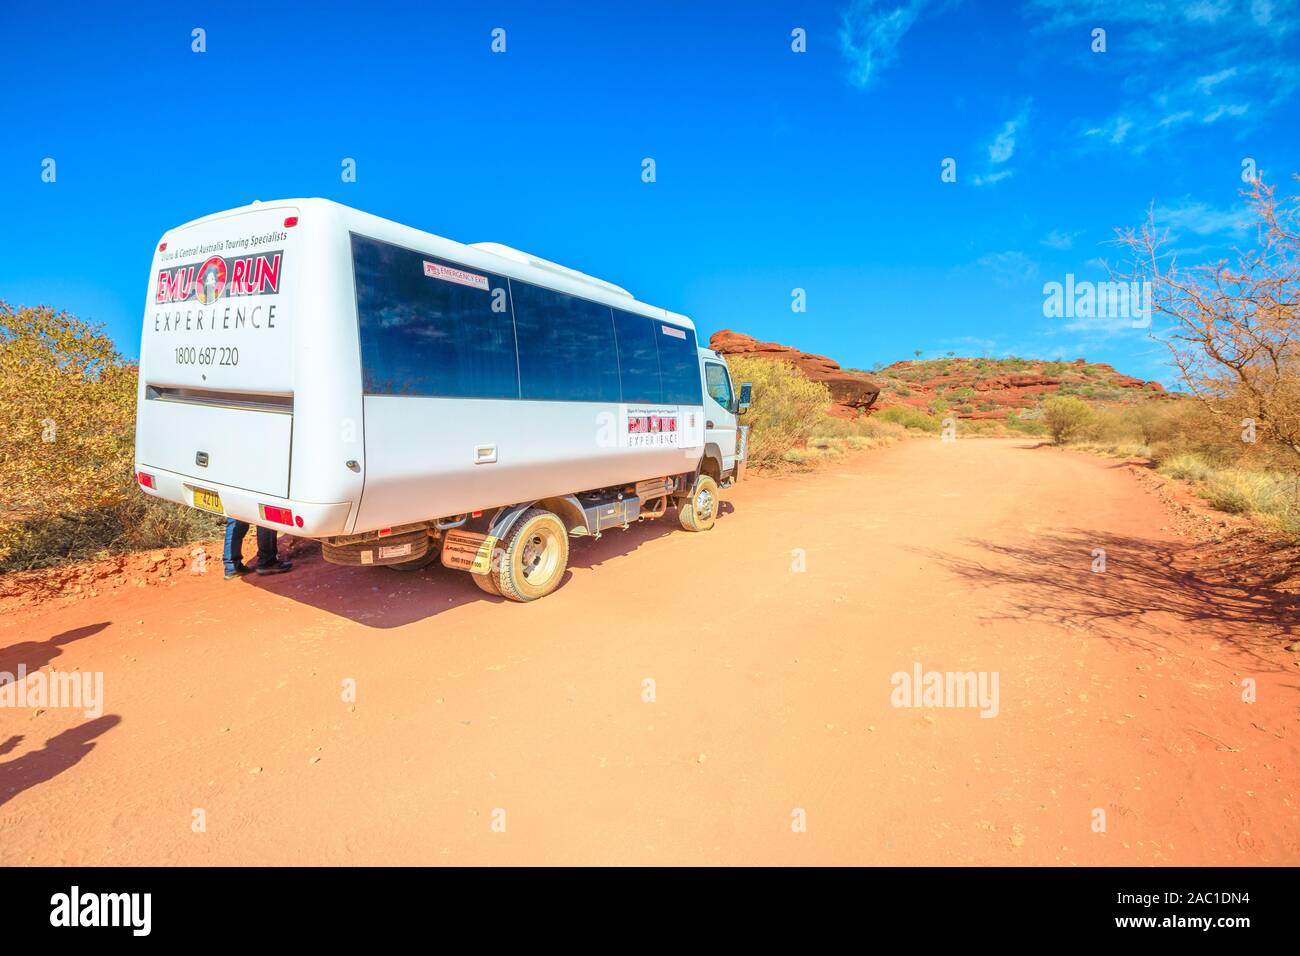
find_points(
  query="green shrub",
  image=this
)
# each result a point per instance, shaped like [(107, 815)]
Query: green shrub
[(1066, 418), (910, 417), (67, 416), (787, 407), (1029, 426)]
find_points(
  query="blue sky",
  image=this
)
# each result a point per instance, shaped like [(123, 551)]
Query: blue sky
[(775, 170)]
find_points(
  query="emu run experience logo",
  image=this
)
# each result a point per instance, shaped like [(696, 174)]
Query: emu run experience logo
[(651, 424), (218, 276), (650, 428)]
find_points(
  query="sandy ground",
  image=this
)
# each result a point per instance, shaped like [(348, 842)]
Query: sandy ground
[(771, 736)]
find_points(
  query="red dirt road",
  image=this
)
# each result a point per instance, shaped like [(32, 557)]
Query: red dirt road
[(1118, 692)]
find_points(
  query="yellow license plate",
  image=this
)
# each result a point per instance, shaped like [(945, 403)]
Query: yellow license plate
[(208, 500)]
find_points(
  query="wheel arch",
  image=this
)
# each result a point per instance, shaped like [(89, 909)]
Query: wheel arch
[(711, 461), (565, 507)]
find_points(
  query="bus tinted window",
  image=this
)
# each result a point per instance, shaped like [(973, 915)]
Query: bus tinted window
[(717, 384), (566, 346), (679, 364), (428, 326), (638, 358)]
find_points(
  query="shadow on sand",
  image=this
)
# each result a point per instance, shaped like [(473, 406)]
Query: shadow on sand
[(1149, 590), (384, 598), (60, 752), (36, 654)]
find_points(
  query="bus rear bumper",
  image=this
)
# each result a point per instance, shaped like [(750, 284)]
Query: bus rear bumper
[(302, 518)]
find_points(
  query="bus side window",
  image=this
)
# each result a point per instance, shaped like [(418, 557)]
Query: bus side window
[(679, 365)]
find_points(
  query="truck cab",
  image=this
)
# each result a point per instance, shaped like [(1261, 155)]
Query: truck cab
[(724, 437)]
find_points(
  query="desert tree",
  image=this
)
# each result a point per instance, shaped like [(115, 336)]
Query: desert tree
[(1233, 328)]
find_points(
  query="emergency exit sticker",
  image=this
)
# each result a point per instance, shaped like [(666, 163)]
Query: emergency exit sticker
[(669, 330), (436, 270)]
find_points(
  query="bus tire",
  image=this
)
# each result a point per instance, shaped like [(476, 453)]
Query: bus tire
[(699, 510), (485, 583), (534, 554), (416, 564), (351, 554)]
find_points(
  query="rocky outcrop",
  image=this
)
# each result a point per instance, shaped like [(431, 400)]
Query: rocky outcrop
[(851, 391), (1014, 381), (992, 388)]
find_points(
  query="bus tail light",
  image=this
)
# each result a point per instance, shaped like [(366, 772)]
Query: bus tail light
[(290, 222), (145, 479), (277, 514)]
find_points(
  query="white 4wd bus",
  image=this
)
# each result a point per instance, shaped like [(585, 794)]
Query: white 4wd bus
[(314, 369)]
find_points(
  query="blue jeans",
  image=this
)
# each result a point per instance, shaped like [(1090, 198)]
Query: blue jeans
[(235, 532)]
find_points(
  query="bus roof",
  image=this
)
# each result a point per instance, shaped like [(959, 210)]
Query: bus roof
[(490, 256)]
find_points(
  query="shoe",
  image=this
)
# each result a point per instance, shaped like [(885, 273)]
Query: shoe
[(278, 568), (239, 569)]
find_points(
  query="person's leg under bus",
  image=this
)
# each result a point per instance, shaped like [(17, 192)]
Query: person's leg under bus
[(233, 554), (268, 558)]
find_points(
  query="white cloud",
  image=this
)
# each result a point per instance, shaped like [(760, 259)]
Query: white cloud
[(1003, 147), (1008, 268), (1206, 84), (1004, 144), (1102, 325), (1183, 64), (1059, 240), (1206, 11), (1234, 109), (1201, 219), (870, 32), (1115, 130)]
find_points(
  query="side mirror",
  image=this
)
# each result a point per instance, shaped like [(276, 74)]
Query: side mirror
[(746, 393)]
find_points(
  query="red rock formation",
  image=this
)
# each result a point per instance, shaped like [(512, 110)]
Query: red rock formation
[(992, 388), (851, 391), (1012, 381)]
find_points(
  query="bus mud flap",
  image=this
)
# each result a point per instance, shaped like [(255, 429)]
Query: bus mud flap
[(468, 551)]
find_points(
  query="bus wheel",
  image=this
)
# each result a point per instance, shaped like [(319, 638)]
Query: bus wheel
[(700, 510), (535, 553), (485, 583), (416, 564)]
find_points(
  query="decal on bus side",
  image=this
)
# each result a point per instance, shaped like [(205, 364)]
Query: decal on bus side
[(436, 270)]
